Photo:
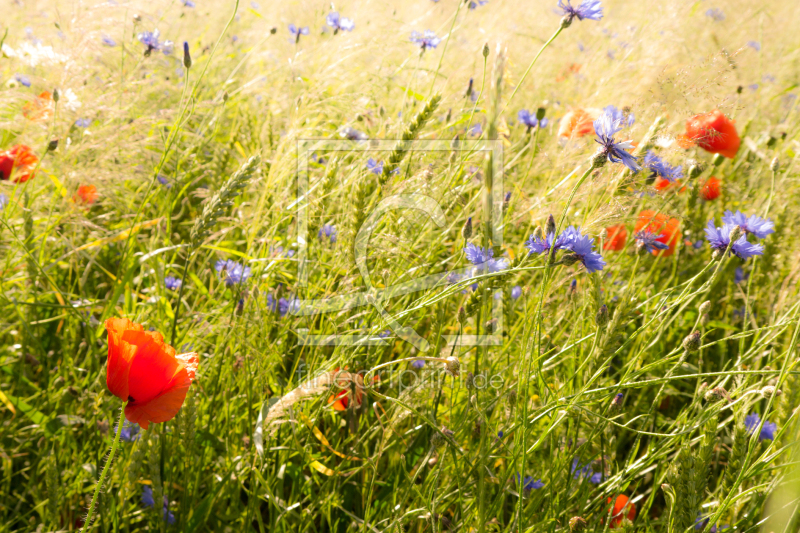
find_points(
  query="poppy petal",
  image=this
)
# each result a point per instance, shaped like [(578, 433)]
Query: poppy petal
[(120, 356), (153, 368), (164, 406)]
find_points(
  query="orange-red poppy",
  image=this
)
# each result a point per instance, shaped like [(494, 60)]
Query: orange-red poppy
[(87, 194), (40, 108), (20, 158), (578, 122), (616, 237), (713, 132), (622, 509), (662, 185), (572, 69), (711, 189), (146, 372), (340, 401), (667, 229)]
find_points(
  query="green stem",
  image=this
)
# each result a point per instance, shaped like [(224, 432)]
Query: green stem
[(99, 485), (545, 45)]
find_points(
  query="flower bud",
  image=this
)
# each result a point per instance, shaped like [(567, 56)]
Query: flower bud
[(439, 439), (137, 18), (187, 58), (540, 112), (704, 307), (462, 315), (616, 403), (775, 165), (551, 225), (716, 394), (565, 22), (736, 233), (470, 381), (466, 231), (704, 319), (52, 145), (570, 259), (694, 171), (692, 342), (486, 50), (576, 524), (601, 318), (769, 391), (452, 365), (716, 255), (273, 30), (598, 160), (717, 160), (538, 233)]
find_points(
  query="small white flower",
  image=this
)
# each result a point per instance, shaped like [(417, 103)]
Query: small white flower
[(71, 101)]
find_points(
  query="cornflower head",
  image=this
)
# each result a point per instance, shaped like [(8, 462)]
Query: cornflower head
[(716, 14), (753, 224), (720, 238), (151, 40), (130, 432), (23, 79), (474, 4), (483, 258), (339, 23), (108, 41), (352, 134), (582, 248), (662, 168), (164, 181), (425, 40), (288, 304), (579, 470), (588, 9), (529, 483), (172, 283), (3, 201), (768, 430), (516, 292), (329, 231), (646, 240), (605, 127), (376, 167), (539, 245), (149, 501), (297, 32), (83, 122), (233, 273), (418, 364), (530, 120)]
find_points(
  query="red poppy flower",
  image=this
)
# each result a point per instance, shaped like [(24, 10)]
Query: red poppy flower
[(713, 132), (146, 372), (86, 194), (667, 229), (622, 509), (40, 108), (578, 122), (711, 189), (616, 237), (663, 185), (20, 158), (345, 380)]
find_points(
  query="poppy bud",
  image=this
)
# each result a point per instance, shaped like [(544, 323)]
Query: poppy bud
[(717, 160), (576, 524), (692, 342), (486, 50), (694, 171), (56, 95), (736, 233), (598, 160), (540, 113), (466, 231), (551, 225), (187, 58), (273, 30), (774, 165), (768, 391), (52, 145), (452, 365), (704, 318), (704, 307), (601, 318)]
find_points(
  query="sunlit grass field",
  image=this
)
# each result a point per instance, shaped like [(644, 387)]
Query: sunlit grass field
[(418, 298)]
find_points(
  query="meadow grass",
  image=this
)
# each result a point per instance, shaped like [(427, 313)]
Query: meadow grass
[(382, 416)]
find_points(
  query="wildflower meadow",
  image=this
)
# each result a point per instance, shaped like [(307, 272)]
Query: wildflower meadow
[(399, 266)]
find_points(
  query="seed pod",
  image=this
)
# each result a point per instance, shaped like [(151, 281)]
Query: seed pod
[(692, 342), (540, 113), (601, 318), (576, 524), (538, 233), (52, 145), (452, 365), (470, 381)]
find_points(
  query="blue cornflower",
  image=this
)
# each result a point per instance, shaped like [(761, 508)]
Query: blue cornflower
[(83, 122), (578, 470), (425, 40), (516, 292), (529, 483), (476, 129), (483, 258), (596, 478), (272, 304), (716, 14), (233, 272), (739, 275), (474, 4), (768, 430), (148, 501), (589, 9), (285, 305), (662, 168), (583, 248), (529, 119), (605, 127), (130, 432), (701, 524), (329, 231), (150, 40), (537, 245), (618, 115), (755, 45), (418, 364), (376, 167), (753, 224), (719, 238), (352, 134), (647, 239), (172, 283), (164, 181), (188, 3), (3, 201), (23, 79), (108, 41), (297, 32), (339, 23)]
